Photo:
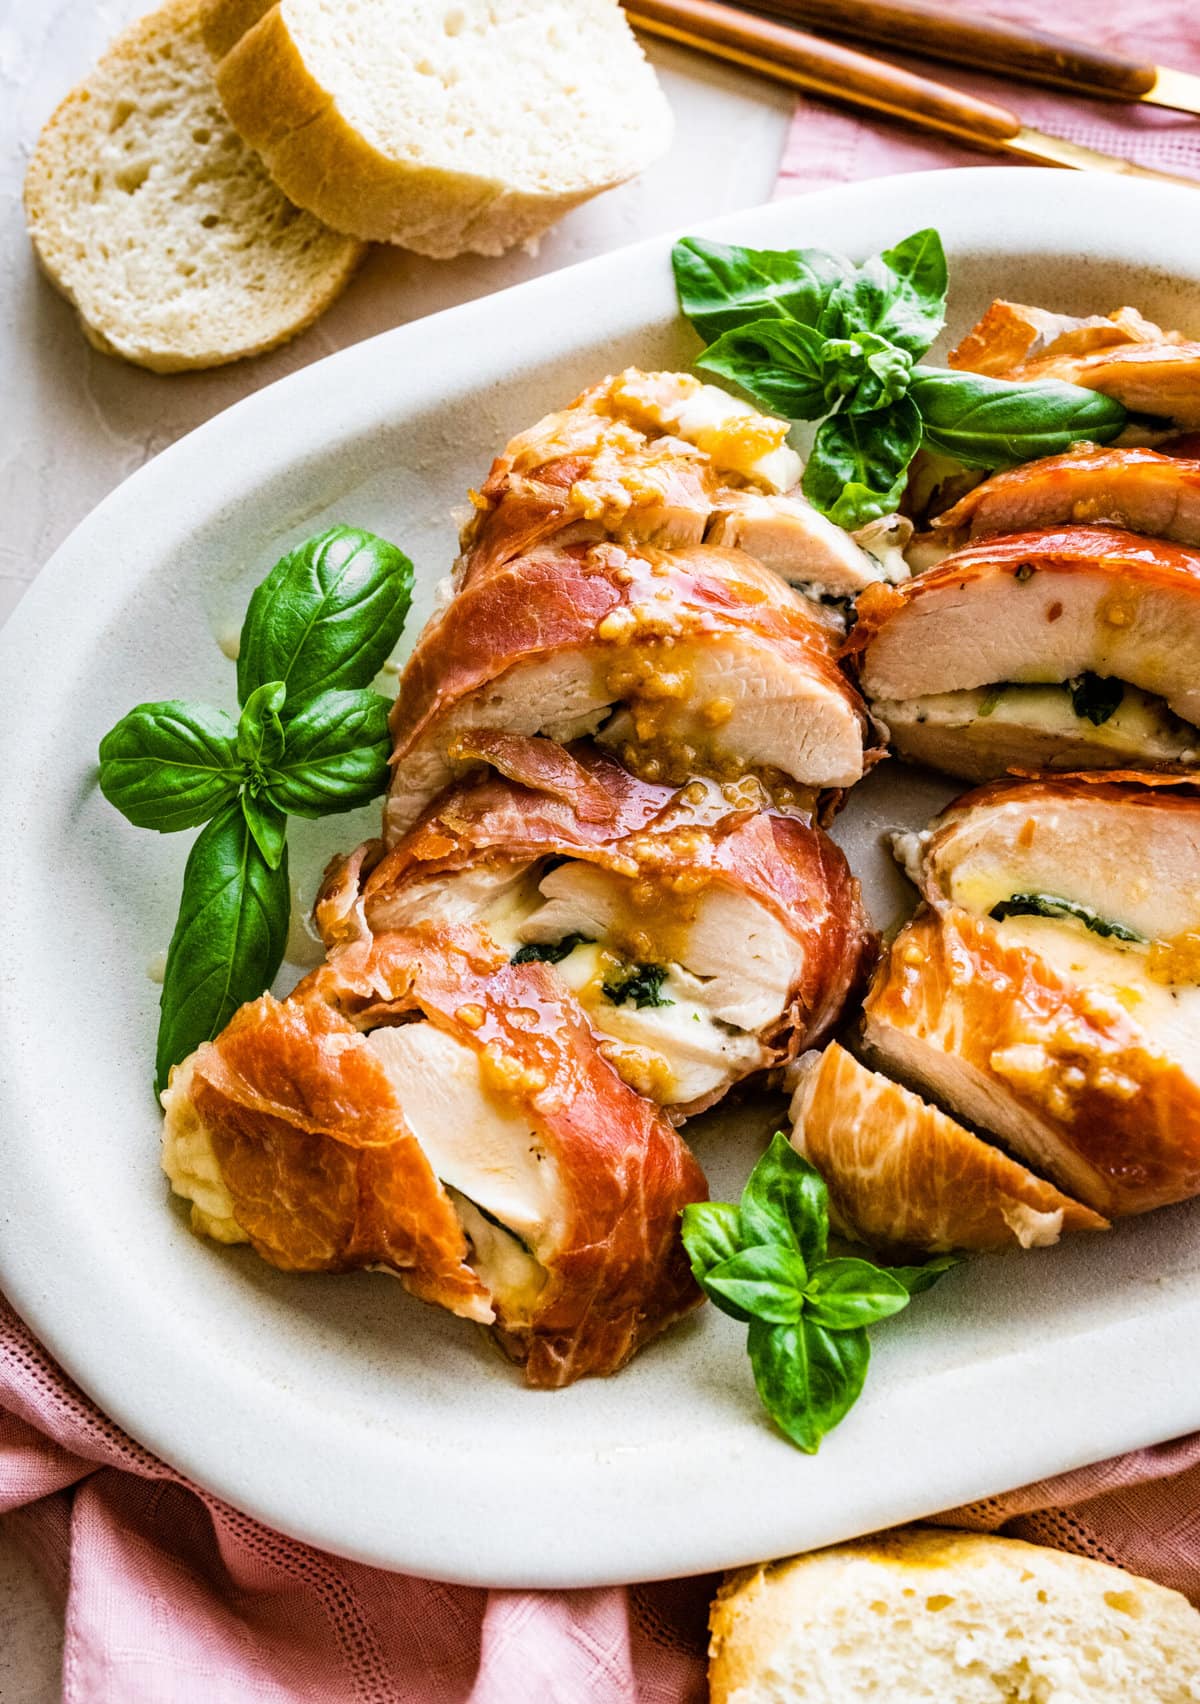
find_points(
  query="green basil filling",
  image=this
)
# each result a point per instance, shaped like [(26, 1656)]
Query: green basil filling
[(1050, 905), (1094, 697), (550, 952), (642, 984)]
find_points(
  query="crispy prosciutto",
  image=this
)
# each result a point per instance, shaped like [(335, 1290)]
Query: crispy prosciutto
[(421, 1106), (706, 936), (692, 661), (1050, 991), (1140, 490), (904, 1176), (1071, 648), (1124, 356), (659, 459)]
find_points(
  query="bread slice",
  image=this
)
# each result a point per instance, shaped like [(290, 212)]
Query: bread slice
[(448, 126), (925, 1616), (152, 216)]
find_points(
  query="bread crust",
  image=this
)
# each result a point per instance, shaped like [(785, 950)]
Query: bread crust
[(756, 1609), (154, 339), (325, 165)]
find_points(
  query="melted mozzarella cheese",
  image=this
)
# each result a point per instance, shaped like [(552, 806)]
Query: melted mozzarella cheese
[(1169, 1013), (191, 1164)]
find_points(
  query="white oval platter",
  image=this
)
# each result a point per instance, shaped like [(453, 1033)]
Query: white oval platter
[(339, 1409)]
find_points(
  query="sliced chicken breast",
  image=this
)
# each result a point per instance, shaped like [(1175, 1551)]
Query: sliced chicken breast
[(1094, 610), (904, 1177), (689, 662), (418, 1105), (1011, 333), (1068, 1052), (705, 937), (663, 460), (1137, 489), (1125, 848)]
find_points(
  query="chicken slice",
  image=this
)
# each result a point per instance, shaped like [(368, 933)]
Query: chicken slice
[(705, 937), (1137, 489), (1093, 607), (639, 458), (904, 1177), (1127, 849), (1162, 379), (1011, 333), (786, 534), (1025, 1034), (419, 1105), (697, 661)]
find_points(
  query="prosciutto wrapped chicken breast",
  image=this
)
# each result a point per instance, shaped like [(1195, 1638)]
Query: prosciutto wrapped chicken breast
[(1148, 370), (1062, 648), (1050, 991), (661, 459), (693, 661), (706, 937), (1139, 490), (904, 1176), (420, 1106)]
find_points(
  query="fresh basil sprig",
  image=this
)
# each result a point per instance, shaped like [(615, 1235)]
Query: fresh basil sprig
[(311, 740), (766, 1264), (813, 337)]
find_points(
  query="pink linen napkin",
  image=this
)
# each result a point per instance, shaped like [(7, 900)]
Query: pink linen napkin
[(172, 1597), (829, 145)]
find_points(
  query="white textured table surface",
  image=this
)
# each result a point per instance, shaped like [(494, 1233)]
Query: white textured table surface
[(75, 423)]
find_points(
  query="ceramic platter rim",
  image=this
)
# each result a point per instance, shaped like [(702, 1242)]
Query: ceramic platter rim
[(129, 1315)]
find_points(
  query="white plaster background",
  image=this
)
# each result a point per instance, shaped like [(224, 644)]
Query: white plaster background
[(74, 423)]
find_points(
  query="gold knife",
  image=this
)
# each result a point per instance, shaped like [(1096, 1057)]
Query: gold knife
[(839, 73), (985, 44)]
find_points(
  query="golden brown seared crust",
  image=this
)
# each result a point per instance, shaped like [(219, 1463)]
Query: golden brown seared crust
[(904, 1176), (324, 1174), (1121, 1118), (1140, 490)]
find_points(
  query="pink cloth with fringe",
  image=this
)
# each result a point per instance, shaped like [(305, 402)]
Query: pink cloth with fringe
[(172, 1597)]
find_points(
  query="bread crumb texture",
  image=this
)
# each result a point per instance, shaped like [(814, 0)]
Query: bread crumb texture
[(154, 218), (444, 125), (922, 1614)]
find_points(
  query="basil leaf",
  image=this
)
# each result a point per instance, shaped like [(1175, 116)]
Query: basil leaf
[(916, 1279), (777, 362), (985, 422), (228, 940), (335, 756), (1051, 905), (808, 1378), (328, 615), (170, 765), (843, 1294), (550, 952), (1096, 697), (710, 1235), (866, 371), (641, 983), (785, 1201), (260, 732), (267, 824), (859, 462), (760, 1283), (721, 287), (899, 294)]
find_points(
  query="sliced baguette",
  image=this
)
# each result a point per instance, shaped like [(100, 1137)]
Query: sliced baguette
[(152, 216), (925, 1616), (448, 126)]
